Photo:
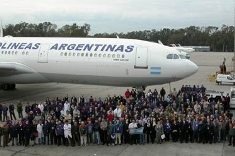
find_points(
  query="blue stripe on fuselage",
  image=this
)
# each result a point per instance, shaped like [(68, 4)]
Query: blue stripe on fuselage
[(155, 70), (155, 73)]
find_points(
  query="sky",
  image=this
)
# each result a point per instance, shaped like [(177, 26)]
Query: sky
[(120, 15)]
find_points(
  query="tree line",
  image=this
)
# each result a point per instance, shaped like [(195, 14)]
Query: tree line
[(218, 38)]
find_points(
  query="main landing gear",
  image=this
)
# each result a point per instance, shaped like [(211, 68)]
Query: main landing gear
[(8, 86), (140, 88)]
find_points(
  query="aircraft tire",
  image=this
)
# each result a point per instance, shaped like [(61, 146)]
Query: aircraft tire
[(8, 86), (12, 86)]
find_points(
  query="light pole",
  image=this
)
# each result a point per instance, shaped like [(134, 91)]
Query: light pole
[(233, 59)]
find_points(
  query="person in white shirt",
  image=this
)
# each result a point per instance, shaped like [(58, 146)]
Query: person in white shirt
[(197, 108), (66, 107), (40, 132), (132, 126), (41, 107), (67, 132), (118, 112)]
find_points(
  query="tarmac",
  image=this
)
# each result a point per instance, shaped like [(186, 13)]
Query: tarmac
[(208, 65)]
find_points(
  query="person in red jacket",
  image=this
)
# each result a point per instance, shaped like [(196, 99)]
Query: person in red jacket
[(127, 94), (110, 116)]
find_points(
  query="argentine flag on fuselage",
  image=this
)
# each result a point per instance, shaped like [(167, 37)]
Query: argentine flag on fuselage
[(155, 70)]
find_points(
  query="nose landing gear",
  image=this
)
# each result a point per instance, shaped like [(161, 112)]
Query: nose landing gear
[(8, 86)]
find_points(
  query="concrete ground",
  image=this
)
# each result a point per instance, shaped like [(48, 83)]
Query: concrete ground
[(165, 149), (208, 64)]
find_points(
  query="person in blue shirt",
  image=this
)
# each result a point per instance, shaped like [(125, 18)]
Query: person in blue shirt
[(118, 132), (167, 129), (195, 126), (59, 132)]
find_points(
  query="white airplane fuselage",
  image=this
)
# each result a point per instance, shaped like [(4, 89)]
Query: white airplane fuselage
[(97, 61)]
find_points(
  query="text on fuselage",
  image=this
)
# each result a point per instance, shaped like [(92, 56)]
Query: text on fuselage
[(69, 47)]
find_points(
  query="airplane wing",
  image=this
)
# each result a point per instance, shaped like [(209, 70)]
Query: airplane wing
[(13, 68)]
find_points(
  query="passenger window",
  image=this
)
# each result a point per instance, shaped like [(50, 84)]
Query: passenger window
[(78, 54), (86, 54), (95, 55), (104, 55), (69, 54), (170, 56), (91, 54), (61, 54), (109, 55), (176, 56), (123, 56), (113, 56), (9, 52), (82, 54), (27, 53), (16, 53), (118, 55), (74, 54), (99, 55), (23, 53), (5, 52)]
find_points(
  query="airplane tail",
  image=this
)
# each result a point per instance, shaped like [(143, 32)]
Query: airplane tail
[(160, 42)]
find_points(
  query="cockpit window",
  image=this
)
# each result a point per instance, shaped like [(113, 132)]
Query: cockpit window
[(182, 57), (229, 77), (176, 56), (170, 56)]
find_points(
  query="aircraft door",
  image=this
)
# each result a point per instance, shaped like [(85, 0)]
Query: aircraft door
[(43, 53), (141, 58)]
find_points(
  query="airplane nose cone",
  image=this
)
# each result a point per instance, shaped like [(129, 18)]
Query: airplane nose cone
[(190, 68), (194, 67)]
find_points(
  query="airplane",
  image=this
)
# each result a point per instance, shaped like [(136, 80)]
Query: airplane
[(93, 61), (183, 49), (180, 49)]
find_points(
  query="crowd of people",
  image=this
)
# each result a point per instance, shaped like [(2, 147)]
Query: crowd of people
[(183, 116)]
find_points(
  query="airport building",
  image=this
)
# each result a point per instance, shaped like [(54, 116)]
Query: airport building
[(199, 48)]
